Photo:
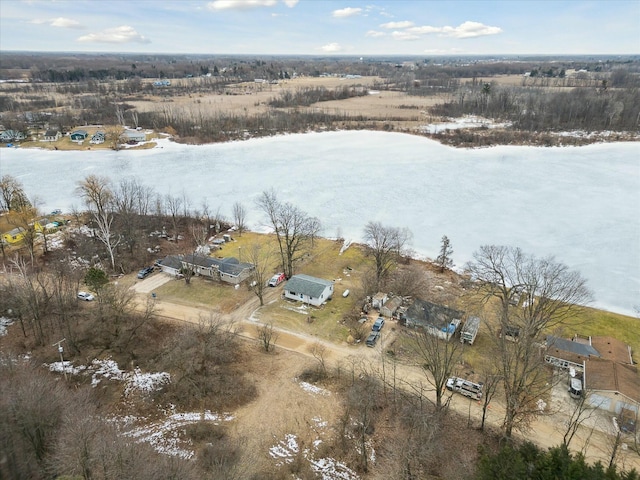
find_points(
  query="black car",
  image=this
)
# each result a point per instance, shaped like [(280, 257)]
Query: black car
[(145, 272), (372, 339)]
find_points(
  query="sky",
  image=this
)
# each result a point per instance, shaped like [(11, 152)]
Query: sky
[(323, 27)]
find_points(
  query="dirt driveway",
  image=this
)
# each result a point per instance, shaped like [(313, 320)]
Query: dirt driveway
[(546, 430)]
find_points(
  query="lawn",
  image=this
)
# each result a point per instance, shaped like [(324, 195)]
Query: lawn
[(205, 293), (326, 262)]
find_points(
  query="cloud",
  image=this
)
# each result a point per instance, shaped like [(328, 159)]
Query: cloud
[(331, 47), (464, 30), (244, 4), (392, 25), (346, 12), (404, 35), (290, 3), (472, 29), (60, 22), (375, 34), (122, 34)]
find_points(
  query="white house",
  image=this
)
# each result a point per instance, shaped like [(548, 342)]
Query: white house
[(171, 265), (311, 290), (133, 136), (52, 136)]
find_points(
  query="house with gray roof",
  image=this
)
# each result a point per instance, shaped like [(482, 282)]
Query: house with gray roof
[(171, 265), (52, 135), (310, 290), (229, 270)]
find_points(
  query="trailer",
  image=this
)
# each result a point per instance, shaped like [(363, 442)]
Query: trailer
[(470, 330), (465, 387)]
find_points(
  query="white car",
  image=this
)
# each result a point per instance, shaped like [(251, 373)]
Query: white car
[(86, 296)]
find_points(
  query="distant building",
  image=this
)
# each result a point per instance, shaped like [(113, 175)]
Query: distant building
[(133, 136), (79, 135), (52, 136)]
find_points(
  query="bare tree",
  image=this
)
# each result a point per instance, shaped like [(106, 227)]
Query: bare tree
[(439, 359), (532, 295), (293, 229), (409, 281), (98, 197), (319, 352), (12, 194), (582, 410), (173, 206), (267, 336), (239, 217), (444, 258), (262, 259), (386, 244)]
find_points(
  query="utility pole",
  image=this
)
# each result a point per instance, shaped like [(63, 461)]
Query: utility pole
[(61, 350)]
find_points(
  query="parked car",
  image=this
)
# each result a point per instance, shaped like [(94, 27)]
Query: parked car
[(372, 339), (145, 272), (277, 279), (86, 296), (378, 324)]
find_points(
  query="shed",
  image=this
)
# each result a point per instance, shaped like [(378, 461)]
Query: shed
[(308, 289), (378, 300), (390, 307)]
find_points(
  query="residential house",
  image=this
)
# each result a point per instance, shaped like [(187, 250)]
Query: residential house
[(437, 320), (310, 290), (12, 136), (52, 136), (229, 270), (133, 136), (614, 387), (390, 307), (98, 138), (572, 353), (79, 136), (563, 353), (14, 236), (608, 371), (171, 265)]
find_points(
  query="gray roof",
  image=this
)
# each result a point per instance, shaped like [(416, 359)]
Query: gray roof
[(229, 265), (307, 285), (570, 346), (51, 133), (171, 261), (431, 314)]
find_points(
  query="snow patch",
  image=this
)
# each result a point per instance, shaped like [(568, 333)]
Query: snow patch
[(4, 323), (308, 387)]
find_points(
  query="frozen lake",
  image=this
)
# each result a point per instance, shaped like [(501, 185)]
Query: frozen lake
[(580, 204)]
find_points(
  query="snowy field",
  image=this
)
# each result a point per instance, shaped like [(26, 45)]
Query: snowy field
[(580, 204)]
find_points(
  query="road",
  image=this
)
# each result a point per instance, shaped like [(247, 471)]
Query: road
[(546, 430)]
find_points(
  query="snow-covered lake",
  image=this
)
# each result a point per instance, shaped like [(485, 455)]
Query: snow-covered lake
[(581, 204)]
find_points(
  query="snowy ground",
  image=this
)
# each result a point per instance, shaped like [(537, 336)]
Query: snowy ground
[(580, 204)]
